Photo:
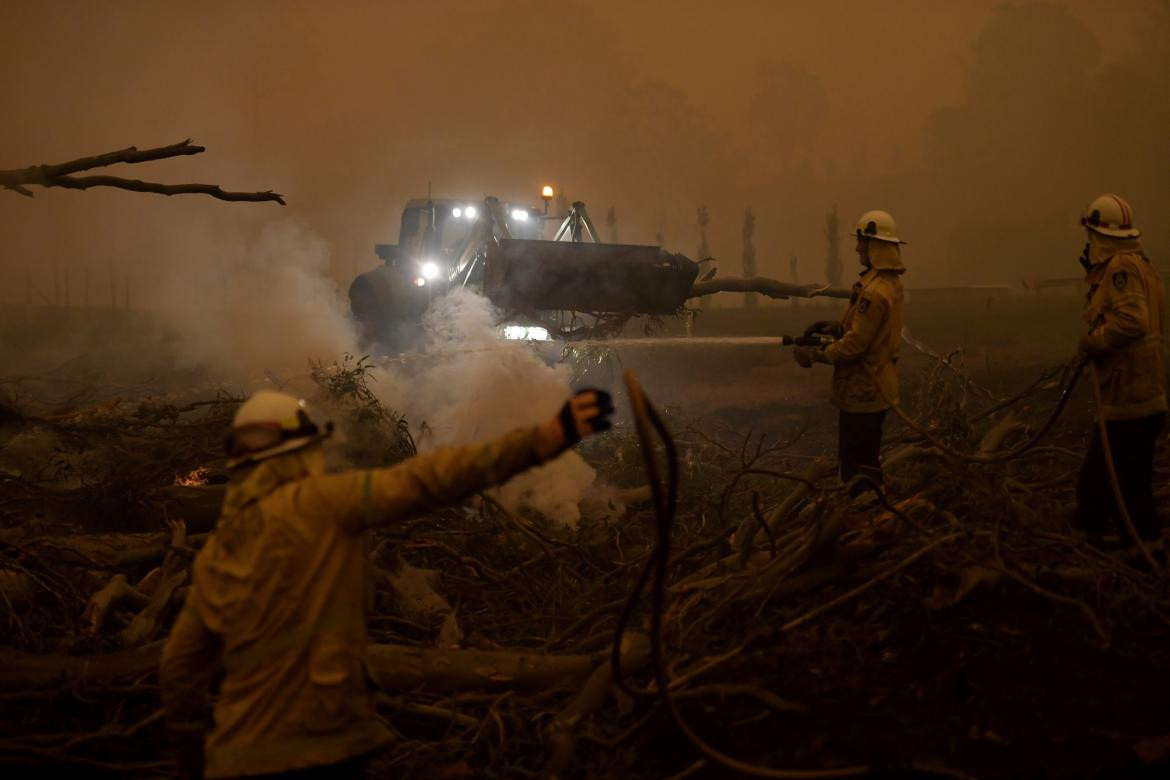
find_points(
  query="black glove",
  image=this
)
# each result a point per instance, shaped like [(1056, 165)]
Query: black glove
[(586, 412)]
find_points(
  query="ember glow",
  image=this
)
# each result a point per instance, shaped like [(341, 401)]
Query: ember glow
[(199, 476)]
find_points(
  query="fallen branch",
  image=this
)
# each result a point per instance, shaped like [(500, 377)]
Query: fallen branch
[(855, 592), (115, 592), (772, 288), (1085, 609), (25, 671), (391, 667), (398, 704), (399, 668), (818, 469), (565, 727)]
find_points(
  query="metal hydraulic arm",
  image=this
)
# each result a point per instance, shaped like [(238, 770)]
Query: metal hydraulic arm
[(577, 226)]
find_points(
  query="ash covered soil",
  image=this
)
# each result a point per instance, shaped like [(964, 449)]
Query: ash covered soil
[(957, 629)]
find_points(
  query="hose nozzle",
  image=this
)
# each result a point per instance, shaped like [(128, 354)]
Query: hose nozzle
[(814, 340)]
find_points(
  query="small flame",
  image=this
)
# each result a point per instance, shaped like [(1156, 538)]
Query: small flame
[(199, 476)]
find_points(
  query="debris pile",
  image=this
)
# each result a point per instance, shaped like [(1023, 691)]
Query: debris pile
[(951, 624)]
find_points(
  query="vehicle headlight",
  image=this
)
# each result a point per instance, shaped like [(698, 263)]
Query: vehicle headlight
[(470, 212), (419, 282), (430, 270), (526, 333), (520, 215), (457, 212)]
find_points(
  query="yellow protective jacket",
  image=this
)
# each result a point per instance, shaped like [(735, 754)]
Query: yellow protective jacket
[(1125, 315), (868, 348), (279, 602)]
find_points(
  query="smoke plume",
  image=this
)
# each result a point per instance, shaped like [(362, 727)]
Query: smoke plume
[(471, 385), (260, 307)]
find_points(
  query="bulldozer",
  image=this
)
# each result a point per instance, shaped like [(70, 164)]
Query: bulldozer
[(569, 284)]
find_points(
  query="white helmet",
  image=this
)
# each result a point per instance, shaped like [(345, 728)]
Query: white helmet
[(1111, 216), (878, 225), (270, 424)]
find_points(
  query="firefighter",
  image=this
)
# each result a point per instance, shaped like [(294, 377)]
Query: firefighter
[(865, 351), (278, 596), (1124, 315)]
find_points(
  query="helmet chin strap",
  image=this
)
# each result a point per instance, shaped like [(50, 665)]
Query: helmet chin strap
[(1084, 259)]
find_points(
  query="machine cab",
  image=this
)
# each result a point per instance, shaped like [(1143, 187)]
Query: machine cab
[(435, 232)]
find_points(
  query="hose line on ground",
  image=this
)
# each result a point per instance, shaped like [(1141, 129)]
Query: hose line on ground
[(998, 457), (1111, 468), (665, 505), (1102, 432)]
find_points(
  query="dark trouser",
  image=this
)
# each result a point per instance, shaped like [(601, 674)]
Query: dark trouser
[(1132, 444), (350, 769), (859, 445)]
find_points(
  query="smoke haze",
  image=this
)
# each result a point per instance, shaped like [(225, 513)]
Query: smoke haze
[(983, 127), (255, 305)]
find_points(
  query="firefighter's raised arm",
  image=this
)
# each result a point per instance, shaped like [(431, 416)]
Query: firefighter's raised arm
[(448, 475)]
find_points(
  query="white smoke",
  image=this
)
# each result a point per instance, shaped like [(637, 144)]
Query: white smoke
[(265, 306), (263, 309), (472, 385)]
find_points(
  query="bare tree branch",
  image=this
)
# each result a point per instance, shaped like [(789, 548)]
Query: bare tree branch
[(128, 155), (85, 182), (772, 288), (59, 175)]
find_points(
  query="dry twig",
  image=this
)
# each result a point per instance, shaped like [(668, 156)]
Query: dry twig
[(62, 175)]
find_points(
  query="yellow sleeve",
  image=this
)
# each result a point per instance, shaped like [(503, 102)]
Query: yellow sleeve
[(190, 661), (1126, 315), (443, 477), (871, 312)]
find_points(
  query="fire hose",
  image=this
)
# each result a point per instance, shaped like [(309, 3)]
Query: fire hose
[(1111, 468), (647, 422), (1102, 431), (998, 457), (1015, 452)]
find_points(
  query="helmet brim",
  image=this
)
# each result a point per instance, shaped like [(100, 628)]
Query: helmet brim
[(893, 240), (1114, 232), (285, 447)]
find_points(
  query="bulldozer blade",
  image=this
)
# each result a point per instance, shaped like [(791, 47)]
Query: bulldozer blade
[(531, 275)]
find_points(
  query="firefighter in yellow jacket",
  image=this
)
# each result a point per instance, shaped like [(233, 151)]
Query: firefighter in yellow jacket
[(1124, 318), (278, 598), (865, 353)]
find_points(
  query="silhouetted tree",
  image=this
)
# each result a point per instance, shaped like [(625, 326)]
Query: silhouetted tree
[(787, 110), (833, 257), (795, 277), (1039, 102), (749, 255), (704, 252)]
